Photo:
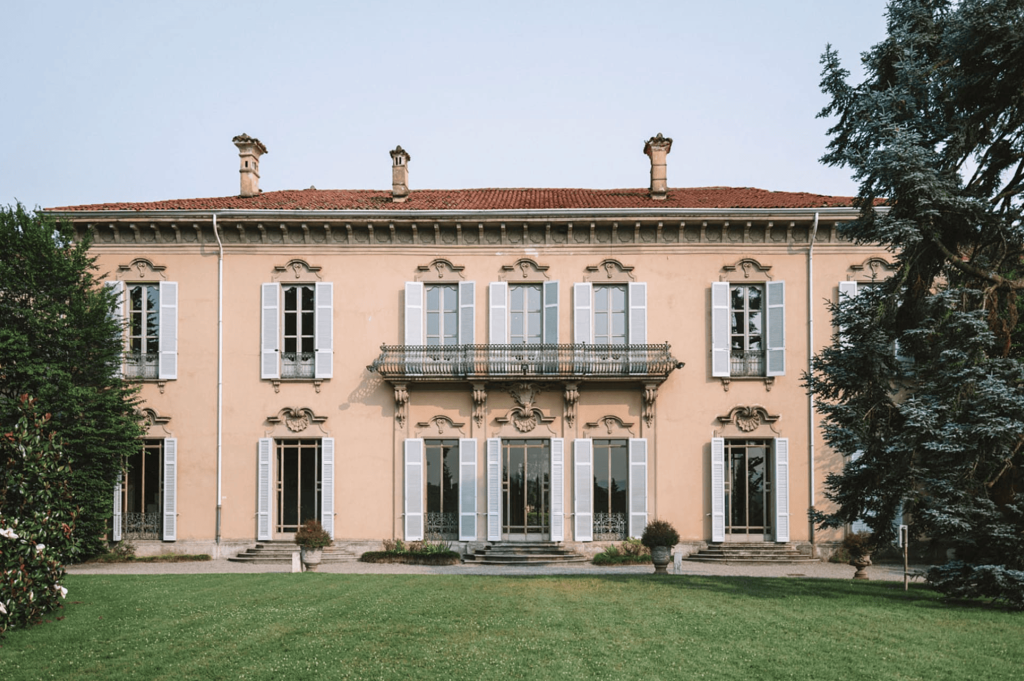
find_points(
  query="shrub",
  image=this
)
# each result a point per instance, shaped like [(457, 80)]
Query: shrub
[(629, 552), (958, 579), (659, 533), (37, 519), (859, 544), (422, 552), (312, 535)]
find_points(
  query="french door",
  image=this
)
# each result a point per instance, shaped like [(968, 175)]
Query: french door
[(526, 490)]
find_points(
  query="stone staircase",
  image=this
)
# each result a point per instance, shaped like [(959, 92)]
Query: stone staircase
[(525, 554), (281, 552), (751, 553)]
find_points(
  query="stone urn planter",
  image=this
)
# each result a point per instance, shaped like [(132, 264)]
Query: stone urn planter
[(859, 545), (659, 536), (312, 538), (861, 562), (310, 558), (661, 556)]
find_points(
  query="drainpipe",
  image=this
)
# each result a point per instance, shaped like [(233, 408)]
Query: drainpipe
[(220, 369), (810, 368)]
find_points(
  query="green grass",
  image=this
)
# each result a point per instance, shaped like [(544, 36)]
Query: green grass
[(306, 626)]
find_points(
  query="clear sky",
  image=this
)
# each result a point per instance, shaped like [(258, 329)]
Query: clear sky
[(138, 101)]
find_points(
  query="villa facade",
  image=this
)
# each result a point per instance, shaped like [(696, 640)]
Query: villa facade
[(475, 365)]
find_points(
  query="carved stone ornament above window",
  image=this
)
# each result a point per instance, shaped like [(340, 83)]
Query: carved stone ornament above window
[(746, 270), (295, 422), (440, 427), (609, 271), (296, 270), (439, 269), (611, 427), (751, 421), (871, 270), (519, 422), (141, 269), (154, 424), (524, 269)]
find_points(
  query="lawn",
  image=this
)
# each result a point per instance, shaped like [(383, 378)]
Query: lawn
[(306, 626)]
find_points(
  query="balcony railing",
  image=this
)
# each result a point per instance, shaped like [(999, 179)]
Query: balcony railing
[(464, 362), (747, 364), (297, 365)]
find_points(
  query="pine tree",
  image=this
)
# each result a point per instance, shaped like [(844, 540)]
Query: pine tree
[(925, 375), (60, 345)]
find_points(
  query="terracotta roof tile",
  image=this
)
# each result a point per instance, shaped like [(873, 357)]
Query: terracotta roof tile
[(489, 199)]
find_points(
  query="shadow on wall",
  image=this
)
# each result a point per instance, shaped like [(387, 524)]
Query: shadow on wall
[(369, 392)]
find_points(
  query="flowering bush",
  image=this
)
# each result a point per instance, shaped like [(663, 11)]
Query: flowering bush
[(312, 535), (37, 520)]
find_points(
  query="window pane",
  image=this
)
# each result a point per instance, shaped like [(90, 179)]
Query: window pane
[(290, 323), (308, 298), (533, 298), (516, 296), (618, 295), (451, 299), (290, 296), (433, 298)]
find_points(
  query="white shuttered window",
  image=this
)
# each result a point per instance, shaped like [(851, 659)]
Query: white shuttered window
[(327, 485), (264, 480), (557, 489), (170, 489), (467, 489), (414, 489), (637, 486), (583, 487)]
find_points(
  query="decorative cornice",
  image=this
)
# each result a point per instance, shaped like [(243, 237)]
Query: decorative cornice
[(609, 270), (440, 426), (746, 269), (153, 420), (439, 269), (609, 426), (748, 421), (296, 269), (296, 422), (524, 269), (871, 270), (140, 268)]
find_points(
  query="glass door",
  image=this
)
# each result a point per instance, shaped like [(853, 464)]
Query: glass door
[(298, 484), (526, 490), (748, 508)]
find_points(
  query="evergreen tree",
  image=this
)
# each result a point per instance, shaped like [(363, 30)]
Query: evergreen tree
[(60, 344), (925, 375)]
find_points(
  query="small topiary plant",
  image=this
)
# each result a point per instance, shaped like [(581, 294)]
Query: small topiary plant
[(859, 544), (659, 533), (312, 535)]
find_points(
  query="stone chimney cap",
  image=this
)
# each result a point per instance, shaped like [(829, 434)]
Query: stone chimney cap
[(245, 139), (399, 151), (658, 143)]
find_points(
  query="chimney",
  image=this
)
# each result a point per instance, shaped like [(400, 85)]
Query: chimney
[(249, 151), (657, 148), (400, 174)]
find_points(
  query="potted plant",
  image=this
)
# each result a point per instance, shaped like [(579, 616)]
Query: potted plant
[(659, 536), (859, 545), (312, 539)]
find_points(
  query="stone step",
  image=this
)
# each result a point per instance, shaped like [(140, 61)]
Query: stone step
[(750, 553), (535, 558), (525, 554), (281, 552)]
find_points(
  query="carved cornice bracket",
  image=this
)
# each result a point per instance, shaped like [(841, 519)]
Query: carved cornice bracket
[(572, 398), (401, 404), (479, 403), (650, 396)]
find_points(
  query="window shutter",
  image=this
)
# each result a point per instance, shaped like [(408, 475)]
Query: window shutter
[(557, 489), (168, 330), (327, 485), (270, 334), (582, 317), (638, 314), (637, 486), (414, 489), (263, 481), (323, 328), (720, 363), (467, 318), (115, 525), (170, 489), (717, 489), (849, 289), (498, 334), (782, 489), (583, 482), (414, 313), (118, 316), (467, 489), (551, 312), (494, 489), (776, 328)]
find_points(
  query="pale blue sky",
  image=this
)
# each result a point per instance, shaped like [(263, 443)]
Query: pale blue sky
[(138, 101)]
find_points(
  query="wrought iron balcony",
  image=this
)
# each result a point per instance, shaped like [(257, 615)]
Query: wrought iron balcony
[(496, 362)]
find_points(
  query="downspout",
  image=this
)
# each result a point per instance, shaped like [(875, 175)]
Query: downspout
[(810, 370), (220, 370)]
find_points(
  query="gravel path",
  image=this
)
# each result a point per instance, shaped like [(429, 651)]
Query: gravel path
[(222, 566)]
